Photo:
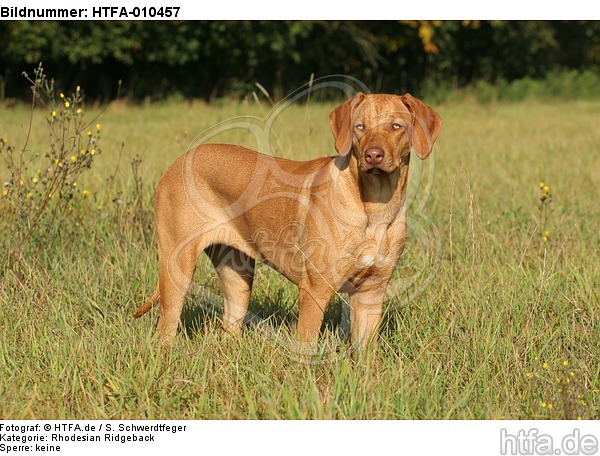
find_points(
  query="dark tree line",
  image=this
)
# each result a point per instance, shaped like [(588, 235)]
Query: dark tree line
[(215, 59)]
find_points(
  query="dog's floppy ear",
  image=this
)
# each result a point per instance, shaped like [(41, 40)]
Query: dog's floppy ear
[(426, 125), (340, 121)]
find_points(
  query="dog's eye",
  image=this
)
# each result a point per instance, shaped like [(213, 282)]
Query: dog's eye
[(396, 126), (360, 126)]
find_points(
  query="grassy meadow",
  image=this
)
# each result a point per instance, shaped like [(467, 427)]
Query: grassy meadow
[(507, 326)]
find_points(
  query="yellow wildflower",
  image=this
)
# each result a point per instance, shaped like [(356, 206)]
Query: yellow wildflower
[(53, 113), (545, 365), (546, 189), (73, 158), (98, 126), (67, 104), (34, 180), (30, 195), (85, 193), (4, 192)]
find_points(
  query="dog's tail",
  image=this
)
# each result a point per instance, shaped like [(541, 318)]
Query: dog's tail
[(152, 300)]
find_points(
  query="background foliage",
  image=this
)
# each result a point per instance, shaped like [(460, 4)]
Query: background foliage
[(214, 59)]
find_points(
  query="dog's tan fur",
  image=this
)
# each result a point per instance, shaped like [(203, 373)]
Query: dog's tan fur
[(328, 225)]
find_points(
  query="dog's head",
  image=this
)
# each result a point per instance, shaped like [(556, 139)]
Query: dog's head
[(382, 129)]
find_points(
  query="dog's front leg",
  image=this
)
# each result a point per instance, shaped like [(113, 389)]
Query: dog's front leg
[(366, 310), (312, 304)]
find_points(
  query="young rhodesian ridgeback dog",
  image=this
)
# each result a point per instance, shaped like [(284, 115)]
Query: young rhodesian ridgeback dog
[(328, 225)]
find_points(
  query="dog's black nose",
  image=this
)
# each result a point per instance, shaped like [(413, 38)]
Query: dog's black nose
[(374, 155)]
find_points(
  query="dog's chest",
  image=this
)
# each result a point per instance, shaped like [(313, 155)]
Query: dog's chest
[(373, 258)]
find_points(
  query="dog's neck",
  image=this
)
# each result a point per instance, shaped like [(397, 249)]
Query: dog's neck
[(378, 188), (383, 196)]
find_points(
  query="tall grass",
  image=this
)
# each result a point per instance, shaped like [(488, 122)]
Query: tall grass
[(508, 327)]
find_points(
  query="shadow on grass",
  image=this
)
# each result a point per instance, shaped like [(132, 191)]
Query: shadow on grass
[(203, 311)]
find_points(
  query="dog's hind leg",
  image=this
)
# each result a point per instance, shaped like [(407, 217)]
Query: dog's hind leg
[(175, 274), (236, 273)]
